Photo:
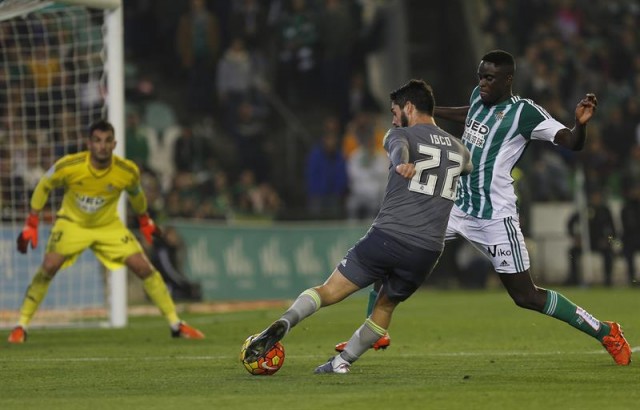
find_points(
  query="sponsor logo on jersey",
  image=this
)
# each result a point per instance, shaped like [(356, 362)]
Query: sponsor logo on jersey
[(495, 251), (90, 204), (475, 133), (504, 263), (343, 262), (499, 115)]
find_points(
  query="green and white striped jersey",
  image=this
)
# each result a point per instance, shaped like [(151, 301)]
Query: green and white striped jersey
[(496, 136)]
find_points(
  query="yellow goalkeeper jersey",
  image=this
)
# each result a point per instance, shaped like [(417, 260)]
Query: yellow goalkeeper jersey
[(90, 195)]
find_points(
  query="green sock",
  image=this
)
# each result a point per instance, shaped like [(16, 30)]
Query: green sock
[(563, 309), (373, 295)]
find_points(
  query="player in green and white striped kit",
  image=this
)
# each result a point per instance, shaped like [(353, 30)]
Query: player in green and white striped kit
[(498, 128)]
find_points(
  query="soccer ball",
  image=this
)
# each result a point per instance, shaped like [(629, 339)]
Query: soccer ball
[(267, 365)]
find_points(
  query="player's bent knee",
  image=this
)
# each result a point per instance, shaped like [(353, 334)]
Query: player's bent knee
[(51, 265), (139, 265), (528, 301), (330, 295)]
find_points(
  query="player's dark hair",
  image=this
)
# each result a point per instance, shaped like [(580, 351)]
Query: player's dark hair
[(418, 92), (101, 125), (501, 58)]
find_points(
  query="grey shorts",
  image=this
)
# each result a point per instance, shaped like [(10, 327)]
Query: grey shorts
[(401, 267)]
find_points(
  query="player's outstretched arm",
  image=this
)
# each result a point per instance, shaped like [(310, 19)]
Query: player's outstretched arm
[(456, 114), (585, 109), (574, 138)]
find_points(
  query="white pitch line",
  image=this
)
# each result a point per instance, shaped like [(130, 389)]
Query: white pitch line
[(225, 357)]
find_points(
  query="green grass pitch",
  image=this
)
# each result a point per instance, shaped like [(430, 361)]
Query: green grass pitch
[(450, 350)]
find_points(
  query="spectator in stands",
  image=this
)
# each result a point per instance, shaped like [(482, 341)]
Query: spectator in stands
[(183, 196), (35, 168), (155, 198), (173, 207), (67, 135), (12, 187), (550, 175), (190, 151), (235, 80), (297, 45), (248, 20), (167, 254), (254, 198), (360, 98), (337, 39), (619, 134), (137, 143), (198, 45), (250, 135), (217, 198), (44, 67), (367, 169), (630, 172), (568, 19), (602, 233), (630, 219), (326, 174), (361, 128), (598, 161)]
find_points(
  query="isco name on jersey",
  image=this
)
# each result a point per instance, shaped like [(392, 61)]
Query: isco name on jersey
[(440, 140)]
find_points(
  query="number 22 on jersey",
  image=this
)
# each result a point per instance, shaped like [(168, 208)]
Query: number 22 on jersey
[(422, 166)]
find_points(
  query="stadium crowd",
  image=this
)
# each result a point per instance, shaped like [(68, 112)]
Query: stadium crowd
[(204, 82)]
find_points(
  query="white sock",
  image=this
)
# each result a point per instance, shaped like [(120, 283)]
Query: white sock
[(338, 360)]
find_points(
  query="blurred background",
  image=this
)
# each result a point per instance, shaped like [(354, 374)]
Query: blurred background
[(249, 96), (247, 114), (282, 105)]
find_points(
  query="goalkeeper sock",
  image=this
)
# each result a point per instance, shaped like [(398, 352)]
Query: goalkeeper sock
[(159, 294), (304, 306), (36, 292), (362, 340), (563, 309), (373, 295)]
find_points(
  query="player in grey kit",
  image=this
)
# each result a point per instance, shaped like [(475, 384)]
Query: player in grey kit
[(405, 240)]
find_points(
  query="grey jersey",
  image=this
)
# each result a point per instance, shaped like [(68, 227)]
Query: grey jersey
[(416, 211)]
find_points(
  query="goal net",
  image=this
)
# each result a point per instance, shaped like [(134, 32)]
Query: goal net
[(53, 82)]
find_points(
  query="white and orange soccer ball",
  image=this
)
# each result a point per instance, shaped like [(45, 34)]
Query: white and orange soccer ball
[(267, 365)]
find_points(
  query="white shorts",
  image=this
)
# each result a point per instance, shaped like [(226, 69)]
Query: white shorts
[(500, 240)]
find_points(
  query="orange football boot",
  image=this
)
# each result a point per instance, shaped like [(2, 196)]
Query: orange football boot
[(382, 343), (185, 331), (617, 345), (17, 335)]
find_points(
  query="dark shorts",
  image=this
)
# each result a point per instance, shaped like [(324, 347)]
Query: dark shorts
[(401, 267)]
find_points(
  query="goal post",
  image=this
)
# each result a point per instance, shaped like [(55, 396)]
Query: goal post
[(61, 67)]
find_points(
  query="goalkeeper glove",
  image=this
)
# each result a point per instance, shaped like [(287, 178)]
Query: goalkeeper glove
[(148, 228), (29, 233)]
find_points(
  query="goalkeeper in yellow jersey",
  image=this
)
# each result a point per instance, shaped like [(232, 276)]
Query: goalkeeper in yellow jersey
[(93, 181)]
